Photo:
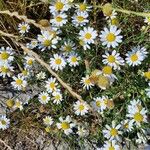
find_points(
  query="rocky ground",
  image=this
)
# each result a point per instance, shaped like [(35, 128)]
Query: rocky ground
[(18, 139)]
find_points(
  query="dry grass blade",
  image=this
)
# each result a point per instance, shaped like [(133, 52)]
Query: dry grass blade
[(7, 146), (22, 17), (44, 64)]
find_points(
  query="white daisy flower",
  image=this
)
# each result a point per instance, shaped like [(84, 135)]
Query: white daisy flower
[(112, 15), (57, 97), (66, 125), (142, 50), (73, 60), (82, 132), (148, 90), (113, 132), (59, 6), (87, 84), (48, 121), (108, 72), (84, 44), (23, 28), (83, 7), (134, 58), (44, 98), (41, 75), (33, 44), (141, 139), (88, 35), (29, 61), (147, 20), (4, 122), (25, 73), (18, 105), (59, 20), (111, 37), (80, 19), (19, 82), (100, 103), (114, 60), (57, 63), (135, 103), (68, 46), (51, 85), (6, 55), (47, 40), (81, 108), (137, 116), (6, 70), (127, 125), (111, 145)]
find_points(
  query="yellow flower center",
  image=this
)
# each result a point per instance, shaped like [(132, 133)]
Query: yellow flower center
[(80, 18), (126, 125), (44, 97), (59, 19), (19, 81), (52, 85), (68, 48), (23, 28), (111, 59), (58, 61), (134, 57), (47, 43), (30, 62), (24, 72), (46, 120), (113, 132), (4, 55), (81, 42), (110, 37), (107, 70), (3, 122), (98, 103), (57, 97), (18, 104), (10, 103), (87, 81), (81, 107), (147, 74), (65, 125), (111, 148), (74, 59), (105, 101), (82, 7), (88, 36), (59, 6), (114, 21), (4, 69), (138, 117)]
